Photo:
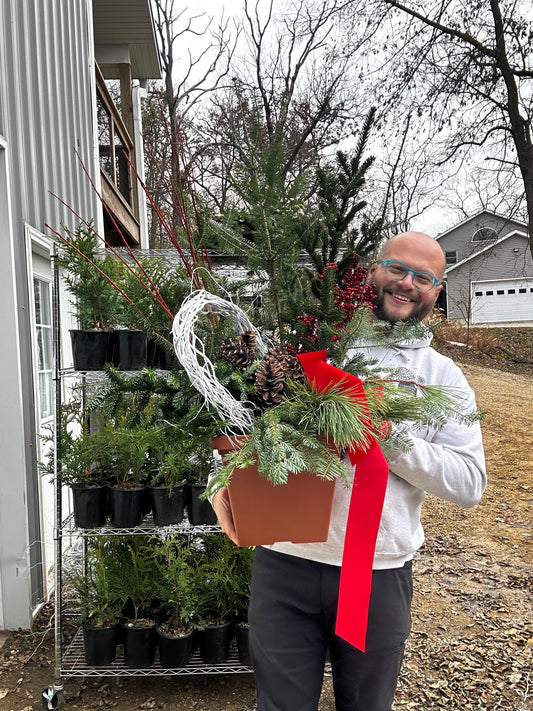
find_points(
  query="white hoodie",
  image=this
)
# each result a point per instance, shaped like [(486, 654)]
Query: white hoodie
[(448, 462)]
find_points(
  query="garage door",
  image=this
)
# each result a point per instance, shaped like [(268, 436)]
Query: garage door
[(502, 301)]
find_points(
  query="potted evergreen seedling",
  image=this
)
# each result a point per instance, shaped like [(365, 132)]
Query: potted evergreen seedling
[(240, 569), (172, 285), (132, 570), (75, 468), (89, 274), (201, 465), (100, 603), (213, 565), (122, 452), (178, 592), (167, 465)]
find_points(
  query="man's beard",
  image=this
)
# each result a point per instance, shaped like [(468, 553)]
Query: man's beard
[(418, 313)]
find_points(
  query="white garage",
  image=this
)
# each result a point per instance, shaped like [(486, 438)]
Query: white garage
[(504, 300)]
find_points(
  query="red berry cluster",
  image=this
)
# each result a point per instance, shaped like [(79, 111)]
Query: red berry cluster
[(311, 324), (356, 293)]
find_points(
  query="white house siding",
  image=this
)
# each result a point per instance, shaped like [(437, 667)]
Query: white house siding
[(508, 260), (46, 99)]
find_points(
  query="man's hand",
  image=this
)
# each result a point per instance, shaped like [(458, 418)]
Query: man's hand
[(222, 507)]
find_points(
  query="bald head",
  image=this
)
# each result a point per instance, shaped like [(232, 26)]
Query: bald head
[(413, 244)]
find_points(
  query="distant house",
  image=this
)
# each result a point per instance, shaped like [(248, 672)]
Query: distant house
[(489, 271), (56, 113)]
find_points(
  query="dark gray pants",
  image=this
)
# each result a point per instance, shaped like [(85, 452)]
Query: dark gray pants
[(293, 607)]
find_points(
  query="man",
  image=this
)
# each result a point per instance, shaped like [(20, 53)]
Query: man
[(295, 586)]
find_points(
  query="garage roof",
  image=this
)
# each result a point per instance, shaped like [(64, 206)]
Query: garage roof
[(129, 22)]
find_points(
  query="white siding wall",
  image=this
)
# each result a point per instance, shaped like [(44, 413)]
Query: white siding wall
[(46, 112)]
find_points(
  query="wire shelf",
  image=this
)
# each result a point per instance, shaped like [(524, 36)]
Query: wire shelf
[(146, 528), (73, 664)]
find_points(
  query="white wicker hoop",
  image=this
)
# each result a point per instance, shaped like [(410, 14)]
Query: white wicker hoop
[(191, 354)]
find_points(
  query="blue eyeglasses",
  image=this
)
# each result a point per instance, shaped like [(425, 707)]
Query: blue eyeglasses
[(395, 270)]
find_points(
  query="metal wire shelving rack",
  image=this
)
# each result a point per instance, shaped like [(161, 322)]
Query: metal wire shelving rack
[(69, 655)]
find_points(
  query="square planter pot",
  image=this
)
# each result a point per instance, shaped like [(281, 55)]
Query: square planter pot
[(90, 349), (199, 511), (167, 505), (128, 349), (299, 511), (174, 652), (90, 505), (100, 644)]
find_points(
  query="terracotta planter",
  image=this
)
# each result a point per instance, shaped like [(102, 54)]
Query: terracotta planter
[(298, 511)]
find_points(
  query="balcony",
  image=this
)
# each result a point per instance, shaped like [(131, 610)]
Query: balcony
[(116, 152)]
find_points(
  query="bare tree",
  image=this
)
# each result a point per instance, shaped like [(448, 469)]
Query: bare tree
[(190, 76), (293, 86), (464, 67), (196, 53)]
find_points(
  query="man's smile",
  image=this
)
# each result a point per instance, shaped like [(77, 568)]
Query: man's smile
[(400, 297)]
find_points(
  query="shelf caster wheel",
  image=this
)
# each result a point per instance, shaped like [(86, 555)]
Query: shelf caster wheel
[(53, 697)]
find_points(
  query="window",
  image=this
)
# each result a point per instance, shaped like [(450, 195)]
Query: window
[(43, 328), (451, 257), (522, 291), (484, 234), (478, 293), (511, 291), (500, 292), (489, 293)]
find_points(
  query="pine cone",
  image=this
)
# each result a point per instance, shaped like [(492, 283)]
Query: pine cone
[(239, 352), (269, 381), (249, 338), (291, 366)]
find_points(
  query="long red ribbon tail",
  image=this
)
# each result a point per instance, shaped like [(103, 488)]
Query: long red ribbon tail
[(366, 505)]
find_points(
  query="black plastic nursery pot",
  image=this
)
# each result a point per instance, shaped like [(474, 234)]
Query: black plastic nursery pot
[(214, 642), (157, 356), (90, 505), (139, 644), (242, 636), (100, 644), (90, 349), (128, 349), (126, 506), (199, 511), (174, 652), (167, 504)]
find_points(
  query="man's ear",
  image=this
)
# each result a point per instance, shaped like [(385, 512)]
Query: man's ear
[(372, 269), (437, 291)]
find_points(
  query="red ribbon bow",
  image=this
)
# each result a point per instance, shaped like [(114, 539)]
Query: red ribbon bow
[(366, 504)]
